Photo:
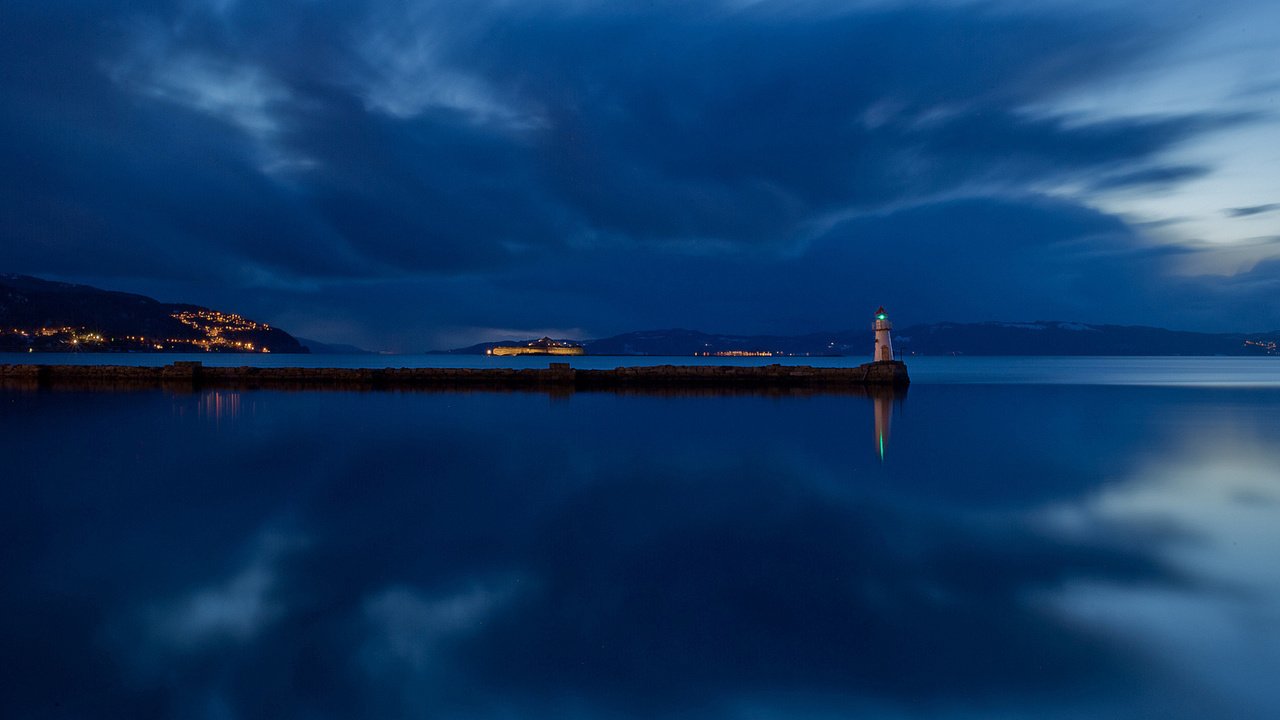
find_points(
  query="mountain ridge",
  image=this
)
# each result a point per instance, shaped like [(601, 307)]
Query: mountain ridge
[(1041, 337)]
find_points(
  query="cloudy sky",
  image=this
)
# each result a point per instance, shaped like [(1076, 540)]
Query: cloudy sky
[(412, 175)]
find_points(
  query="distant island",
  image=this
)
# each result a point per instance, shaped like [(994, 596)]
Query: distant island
[(949, 338), (44, 316), (544, 346)]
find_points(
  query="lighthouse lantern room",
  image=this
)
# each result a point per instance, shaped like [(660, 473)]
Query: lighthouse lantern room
[(884, 345)]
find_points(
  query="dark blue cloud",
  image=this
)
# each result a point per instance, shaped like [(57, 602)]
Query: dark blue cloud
[(1015, 259), (1152, 177), (654, 158), (1252, 210)]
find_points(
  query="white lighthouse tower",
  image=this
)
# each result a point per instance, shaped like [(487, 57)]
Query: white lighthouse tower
[(884, 345)]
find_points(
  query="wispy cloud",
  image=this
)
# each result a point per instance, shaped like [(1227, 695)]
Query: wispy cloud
[(408, 67), (236, 91), (239, 94), (1251, 210)]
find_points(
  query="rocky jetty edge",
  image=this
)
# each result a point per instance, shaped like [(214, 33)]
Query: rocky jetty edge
[(556, 376)]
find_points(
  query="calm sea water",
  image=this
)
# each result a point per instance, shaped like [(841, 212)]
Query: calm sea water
[(1052, 538), (1200, 371)]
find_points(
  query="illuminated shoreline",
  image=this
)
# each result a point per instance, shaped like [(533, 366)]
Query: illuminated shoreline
[(509, 351)]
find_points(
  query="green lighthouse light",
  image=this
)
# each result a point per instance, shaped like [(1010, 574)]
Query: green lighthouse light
[(881, 316)]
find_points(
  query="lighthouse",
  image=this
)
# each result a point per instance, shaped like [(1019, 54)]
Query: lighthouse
[(884, 346)]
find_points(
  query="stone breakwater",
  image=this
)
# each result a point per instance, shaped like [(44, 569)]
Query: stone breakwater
[(558, 376)]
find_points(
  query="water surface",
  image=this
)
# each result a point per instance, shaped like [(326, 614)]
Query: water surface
[(1044, 549), (1263, 371)]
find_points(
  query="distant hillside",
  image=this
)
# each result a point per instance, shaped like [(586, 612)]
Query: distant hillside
[(43, 316), (691, 342), (1063, 338), (990, 338)]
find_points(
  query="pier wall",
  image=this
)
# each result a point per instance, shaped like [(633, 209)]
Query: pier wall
[(557, 375)]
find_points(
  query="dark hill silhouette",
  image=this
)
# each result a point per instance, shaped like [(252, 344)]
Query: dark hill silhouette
[(121, 321)]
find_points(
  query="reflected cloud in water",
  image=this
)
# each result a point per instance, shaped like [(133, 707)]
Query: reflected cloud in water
[(1220, 490), (237, 608), (1021, 551)]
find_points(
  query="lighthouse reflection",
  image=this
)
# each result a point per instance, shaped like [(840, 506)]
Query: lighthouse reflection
[(883, 400), (884, 415)]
